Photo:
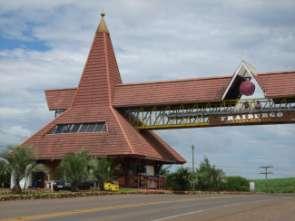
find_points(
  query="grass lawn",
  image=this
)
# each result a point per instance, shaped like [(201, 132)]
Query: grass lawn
[(128, 190), (279, 185)]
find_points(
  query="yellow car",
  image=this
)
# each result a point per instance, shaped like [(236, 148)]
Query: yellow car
[(111, 186)]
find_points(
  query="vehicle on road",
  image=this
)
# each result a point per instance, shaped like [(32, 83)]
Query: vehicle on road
[(63, 185)]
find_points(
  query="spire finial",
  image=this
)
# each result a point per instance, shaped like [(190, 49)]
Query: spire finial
[(102, 27)]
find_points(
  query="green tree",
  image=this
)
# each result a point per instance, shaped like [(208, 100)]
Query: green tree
[(164, 170), (19, 161), (236, 183), (180, 180), (209, 177), (74, 168), (102, 170), (4, 174)]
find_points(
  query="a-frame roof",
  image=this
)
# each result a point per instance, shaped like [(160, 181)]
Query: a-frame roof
[(92, 102), (244, 70)]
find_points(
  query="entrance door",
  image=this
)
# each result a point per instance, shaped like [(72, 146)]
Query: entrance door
[(38, 179)]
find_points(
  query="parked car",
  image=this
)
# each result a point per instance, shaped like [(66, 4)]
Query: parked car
[(111, 186), (61, 185), (86, 185)]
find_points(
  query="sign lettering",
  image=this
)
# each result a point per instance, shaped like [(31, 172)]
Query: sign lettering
[(249, 117)]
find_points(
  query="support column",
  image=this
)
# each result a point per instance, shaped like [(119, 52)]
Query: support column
[(12, 180)]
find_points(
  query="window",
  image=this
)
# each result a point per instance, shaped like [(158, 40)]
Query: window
[(99, 127), (83, 128), (76, 127), (79, 128)]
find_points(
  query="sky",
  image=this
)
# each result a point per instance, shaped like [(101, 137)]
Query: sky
[(44, 45)]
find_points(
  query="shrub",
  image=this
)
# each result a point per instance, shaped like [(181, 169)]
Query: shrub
[(102, 170), (74, 168), (4, 174), (164, 170), (236, 183), (180, 180), (209, 177)]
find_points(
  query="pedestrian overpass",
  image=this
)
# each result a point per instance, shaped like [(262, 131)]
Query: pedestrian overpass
[(275, 104)]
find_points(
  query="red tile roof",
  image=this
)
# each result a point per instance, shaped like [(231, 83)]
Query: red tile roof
[(171, 92), (121, 139), (92, 102), (60, 99), (275, 85), (157, 93), (278, 85)]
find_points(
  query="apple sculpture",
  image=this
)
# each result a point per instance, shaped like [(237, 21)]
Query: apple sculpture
[(247, 88)]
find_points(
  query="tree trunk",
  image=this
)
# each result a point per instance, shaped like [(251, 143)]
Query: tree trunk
[(101, 185), (16, 188), (74, 187)]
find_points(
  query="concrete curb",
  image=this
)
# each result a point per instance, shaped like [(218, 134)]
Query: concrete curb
[(57, 195)]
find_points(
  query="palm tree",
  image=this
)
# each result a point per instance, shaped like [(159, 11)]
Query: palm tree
[(102, 170), (74, 168), (19, 161), (4, 173)]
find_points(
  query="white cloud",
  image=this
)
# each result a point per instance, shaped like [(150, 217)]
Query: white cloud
[(11, 112), (13, 135)]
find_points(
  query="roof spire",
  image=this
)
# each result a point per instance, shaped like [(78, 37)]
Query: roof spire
[(102, 27)]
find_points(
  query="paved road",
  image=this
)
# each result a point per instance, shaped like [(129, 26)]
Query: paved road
[(154, 208)]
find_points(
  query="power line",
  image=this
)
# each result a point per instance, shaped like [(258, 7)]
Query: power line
[(266, 171)]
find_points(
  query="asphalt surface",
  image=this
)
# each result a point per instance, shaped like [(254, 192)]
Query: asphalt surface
[(154, 208)]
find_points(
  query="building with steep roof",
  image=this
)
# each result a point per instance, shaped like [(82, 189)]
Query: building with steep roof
[(108, 118), (86, 119)]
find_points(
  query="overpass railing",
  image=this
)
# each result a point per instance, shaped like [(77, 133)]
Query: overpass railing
[(230, 112)]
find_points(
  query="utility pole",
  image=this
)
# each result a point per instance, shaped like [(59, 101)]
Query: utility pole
[(193, 166), (193, 158), (266, 171)]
